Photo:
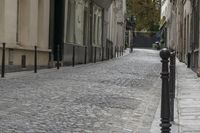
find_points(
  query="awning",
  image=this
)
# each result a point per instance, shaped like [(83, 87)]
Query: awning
[(103, 3)]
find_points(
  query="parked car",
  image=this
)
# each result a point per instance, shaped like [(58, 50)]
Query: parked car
[(156, 45)]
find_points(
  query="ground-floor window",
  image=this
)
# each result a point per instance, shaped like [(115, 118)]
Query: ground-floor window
[(75, 21), (97, 25)]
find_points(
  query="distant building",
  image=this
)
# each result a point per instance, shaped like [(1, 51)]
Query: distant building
[(182, 24)]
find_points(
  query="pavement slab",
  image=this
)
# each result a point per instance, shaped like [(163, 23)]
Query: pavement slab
[(188, 86)]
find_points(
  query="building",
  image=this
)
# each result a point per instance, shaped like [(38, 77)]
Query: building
[(66, 30), (23, 25), (183, 30), (90, 28), (195, 41), (166, 18), (117, 26)]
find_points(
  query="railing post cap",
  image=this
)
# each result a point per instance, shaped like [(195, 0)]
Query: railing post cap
[(165, 53)]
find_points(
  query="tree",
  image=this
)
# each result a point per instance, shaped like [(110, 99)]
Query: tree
[(147, 13)]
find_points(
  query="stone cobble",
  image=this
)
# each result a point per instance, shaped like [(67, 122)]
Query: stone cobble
[(116, 96)]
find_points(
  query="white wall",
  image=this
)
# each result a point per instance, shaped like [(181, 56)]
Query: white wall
[(116, 26), (10, 21), (43, 24), (2, 15), (21, 23), (166, 9)]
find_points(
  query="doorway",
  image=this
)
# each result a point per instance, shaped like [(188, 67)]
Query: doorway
[(56, 35)]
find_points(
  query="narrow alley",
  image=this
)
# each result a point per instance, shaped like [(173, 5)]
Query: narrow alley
[(120, 95)]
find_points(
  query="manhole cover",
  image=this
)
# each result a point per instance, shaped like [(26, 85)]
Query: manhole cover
[(109, 101)]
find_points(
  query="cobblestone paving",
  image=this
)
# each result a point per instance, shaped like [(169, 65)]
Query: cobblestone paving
[(116, 96)]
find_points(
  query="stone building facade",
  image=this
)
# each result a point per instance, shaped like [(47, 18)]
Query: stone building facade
[(23, 25), (61, 29), (90, 28), (183, 34)]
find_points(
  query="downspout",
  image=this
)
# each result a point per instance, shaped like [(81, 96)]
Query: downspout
[(102, 36), (91, 28)]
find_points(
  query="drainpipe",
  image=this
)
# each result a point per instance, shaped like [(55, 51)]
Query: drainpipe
[(90, 48)]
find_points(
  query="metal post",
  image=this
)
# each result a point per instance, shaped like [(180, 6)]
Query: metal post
[(102, 53), (108, 53), (165, 107), (3, 61), (112, 52), (73, 56), (117, 52), (95, 54), (122, 51), (188, 60), (58, 57), (172, 84), (85, 55), (35, 60)]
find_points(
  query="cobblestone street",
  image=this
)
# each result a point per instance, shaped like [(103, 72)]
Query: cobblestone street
[(116, 96)]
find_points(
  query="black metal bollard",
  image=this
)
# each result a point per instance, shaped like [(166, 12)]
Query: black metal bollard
[(172, 83), (73, 56), (35, 60), (165, 107), (102, 53), (117, 52), (120, 51), (3, 61), (58, 55), (188, 60), (85, 61), (95, 54), (108, 53), (111, 50)]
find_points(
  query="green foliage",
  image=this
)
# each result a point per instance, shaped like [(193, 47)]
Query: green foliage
[(147, 13)]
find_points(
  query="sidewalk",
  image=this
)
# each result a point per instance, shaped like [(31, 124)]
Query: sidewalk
[(187, 103), (188, 96), (15, 74)]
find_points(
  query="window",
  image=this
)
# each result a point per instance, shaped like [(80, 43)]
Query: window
[(70, 22), (94, 28), (75, 21), (97, 25), (196, 29), (79, 21)]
